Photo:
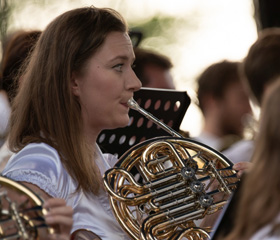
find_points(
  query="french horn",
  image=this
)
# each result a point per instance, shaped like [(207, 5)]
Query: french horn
[(21, 213), (161, 188)]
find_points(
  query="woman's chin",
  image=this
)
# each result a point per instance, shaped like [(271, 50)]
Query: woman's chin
[(121, 124), (124, 124)]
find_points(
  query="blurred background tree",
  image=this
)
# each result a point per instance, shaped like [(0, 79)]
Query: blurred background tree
[(193, 33), (5, 13), (8, 8), (157, 31)]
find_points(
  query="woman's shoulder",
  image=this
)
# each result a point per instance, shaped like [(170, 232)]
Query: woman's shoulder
[(39, 157), (37, 152), (39, 164), (38, 148)]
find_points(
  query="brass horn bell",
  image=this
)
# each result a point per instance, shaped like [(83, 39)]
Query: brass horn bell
[(160, 187), (21, 212)]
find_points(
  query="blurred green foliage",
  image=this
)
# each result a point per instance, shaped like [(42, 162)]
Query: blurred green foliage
[(5, 12), (161, 30), (7, 7), (158, 31)]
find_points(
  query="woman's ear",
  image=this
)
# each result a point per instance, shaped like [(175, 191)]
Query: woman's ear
[(75, 87)]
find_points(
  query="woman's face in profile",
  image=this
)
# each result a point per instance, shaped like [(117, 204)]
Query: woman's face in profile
[(107, 83)]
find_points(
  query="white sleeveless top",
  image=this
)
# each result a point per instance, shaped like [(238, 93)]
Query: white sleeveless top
[(39, 164)]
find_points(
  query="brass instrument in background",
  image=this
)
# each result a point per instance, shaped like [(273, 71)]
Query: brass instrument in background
[(160, 187), (21, 212)]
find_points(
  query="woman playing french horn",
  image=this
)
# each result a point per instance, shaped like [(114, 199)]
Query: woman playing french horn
[(77, 83)]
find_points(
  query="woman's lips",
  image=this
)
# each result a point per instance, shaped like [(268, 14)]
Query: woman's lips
[(125, 105)]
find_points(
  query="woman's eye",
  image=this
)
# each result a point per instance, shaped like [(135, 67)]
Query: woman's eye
[(118, 67)]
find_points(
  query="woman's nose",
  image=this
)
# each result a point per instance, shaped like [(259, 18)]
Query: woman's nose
[(134, 82)]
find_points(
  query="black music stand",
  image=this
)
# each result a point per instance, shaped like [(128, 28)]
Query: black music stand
[(169, 106)]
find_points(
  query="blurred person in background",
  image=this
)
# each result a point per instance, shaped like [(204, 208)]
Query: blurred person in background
[(5, 112), (153, 69), (224, 104), (257, 214), (260, 69), (17, 49), (5, 109)]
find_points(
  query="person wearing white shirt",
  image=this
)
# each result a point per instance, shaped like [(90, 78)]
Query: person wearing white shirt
[(77, 83)]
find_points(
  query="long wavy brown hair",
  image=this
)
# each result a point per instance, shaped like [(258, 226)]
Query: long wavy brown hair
[(260, 192), (45, 110)]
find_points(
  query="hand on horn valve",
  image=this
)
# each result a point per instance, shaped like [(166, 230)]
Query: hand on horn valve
[(242, 167), (60, 217)]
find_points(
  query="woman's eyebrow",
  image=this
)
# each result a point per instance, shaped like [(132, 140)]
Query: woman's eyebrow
[(121, 57)]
